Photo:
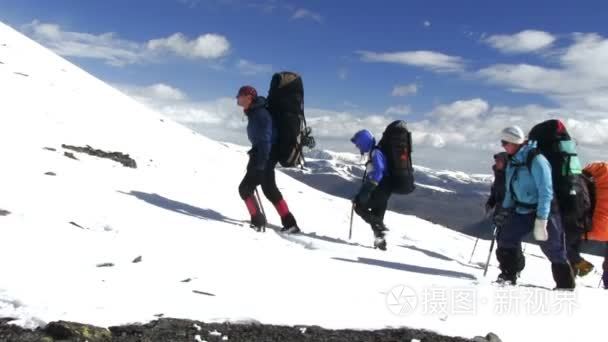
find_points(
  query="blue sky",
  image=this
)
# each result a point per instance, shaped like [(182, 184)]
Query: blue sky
[(445, 66)]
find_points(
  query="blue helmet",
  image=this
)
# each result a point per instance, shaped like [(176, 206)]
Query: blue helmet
[(364, 140)]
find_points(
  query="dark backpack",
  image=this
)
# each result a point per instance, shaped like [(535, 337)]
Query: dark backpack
[(590, 201), (396, 144), (286, 105), (569, 184)]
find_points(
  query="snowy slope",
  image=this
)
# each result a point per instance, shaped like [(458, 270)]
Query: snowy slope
[(180, 211)]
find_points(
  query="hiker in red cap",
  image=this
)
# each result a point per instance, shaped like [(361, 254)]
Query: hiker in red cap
[(262, 160)]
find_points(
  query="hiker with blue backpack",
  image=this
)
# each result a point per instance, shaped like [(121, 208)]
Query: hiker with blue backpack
[(529, 206), (263, 157), (389, 170)]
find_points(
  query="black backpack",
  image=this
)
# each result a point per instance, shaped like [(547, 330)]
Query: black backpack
[(570, 186), (396, 144), (589, 202), (286, 105)]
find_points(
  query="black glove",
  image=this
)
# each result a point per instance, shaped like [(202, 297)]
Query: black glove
[(501, 217), (364, 195)]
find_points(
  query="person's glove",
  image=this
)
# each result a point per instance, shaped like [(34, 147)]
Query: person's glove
[(501, 217), (364, 195), (540, 230)]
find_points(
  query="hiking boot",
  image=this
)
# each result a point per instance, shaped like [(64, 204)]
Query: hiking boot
[(582, 268), (291, 230), (563, 276), (258, 222), (380, 243), (507, 278)]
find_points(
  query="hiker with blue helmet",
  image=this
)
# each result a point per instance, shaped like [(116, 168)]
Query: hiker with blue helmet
[(371, 201)]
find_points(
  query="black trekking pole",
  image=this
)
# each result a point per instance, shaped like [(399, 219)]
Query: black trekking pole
[(352, 213), (352, 210), (485, 271), (257, 196), (474, 248)]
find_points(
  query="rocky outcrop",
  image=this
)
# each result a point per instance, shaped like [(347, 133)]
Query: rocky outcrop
[(177, 330), (118, 157)]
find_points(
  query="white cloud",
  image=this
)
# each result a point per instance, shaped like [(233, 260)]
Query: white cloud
[(431, 60), (115, 51), (249, 68), (207, 46), (398, 110), (106, 46), (426, 23), (580, 82), (343, 74), (461, 110), (405, 90), (303, 13), (524, 41), (156, 92)]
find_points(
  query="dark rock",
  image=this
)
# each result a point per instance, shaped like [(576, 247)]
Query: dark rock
[(491, 337), (77, 332), (50, 149), (187, 280), (70, 155), (203, 293), (13, 333), (137, 260), (21, 74), (118, 157), (4, 212), (51, 174), (107, 264), (77, 225)]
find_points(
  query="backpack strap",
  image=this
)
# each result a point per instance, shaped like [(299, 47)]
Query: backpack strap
[(529, 159), (531, 156)]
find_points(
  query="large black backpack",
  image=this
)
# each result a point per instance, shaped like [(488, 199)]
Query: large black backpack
[(396, 144), (286, 105), (569, 184)]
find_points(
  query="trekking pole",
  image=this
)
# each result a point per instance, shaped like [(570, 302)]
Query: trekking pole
[(485, 271), (474, 247), (352, 213), (257, 196)]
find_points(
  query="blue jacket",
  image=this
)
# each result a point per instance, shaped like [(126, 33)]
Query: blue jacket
[(261, 133), (376, 167), (534, 188)]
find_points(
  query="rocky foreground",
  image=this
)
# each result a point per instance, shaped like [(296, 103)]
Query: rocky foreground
[(176, 330)]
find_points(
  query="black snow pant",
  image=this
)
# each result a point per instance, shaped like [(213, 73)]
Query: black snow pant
[(573, 246), (268, 181), (374, 212)]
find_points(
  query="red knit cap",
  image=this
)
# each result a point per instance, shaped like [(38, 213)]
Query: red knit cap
[(247, 90)]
